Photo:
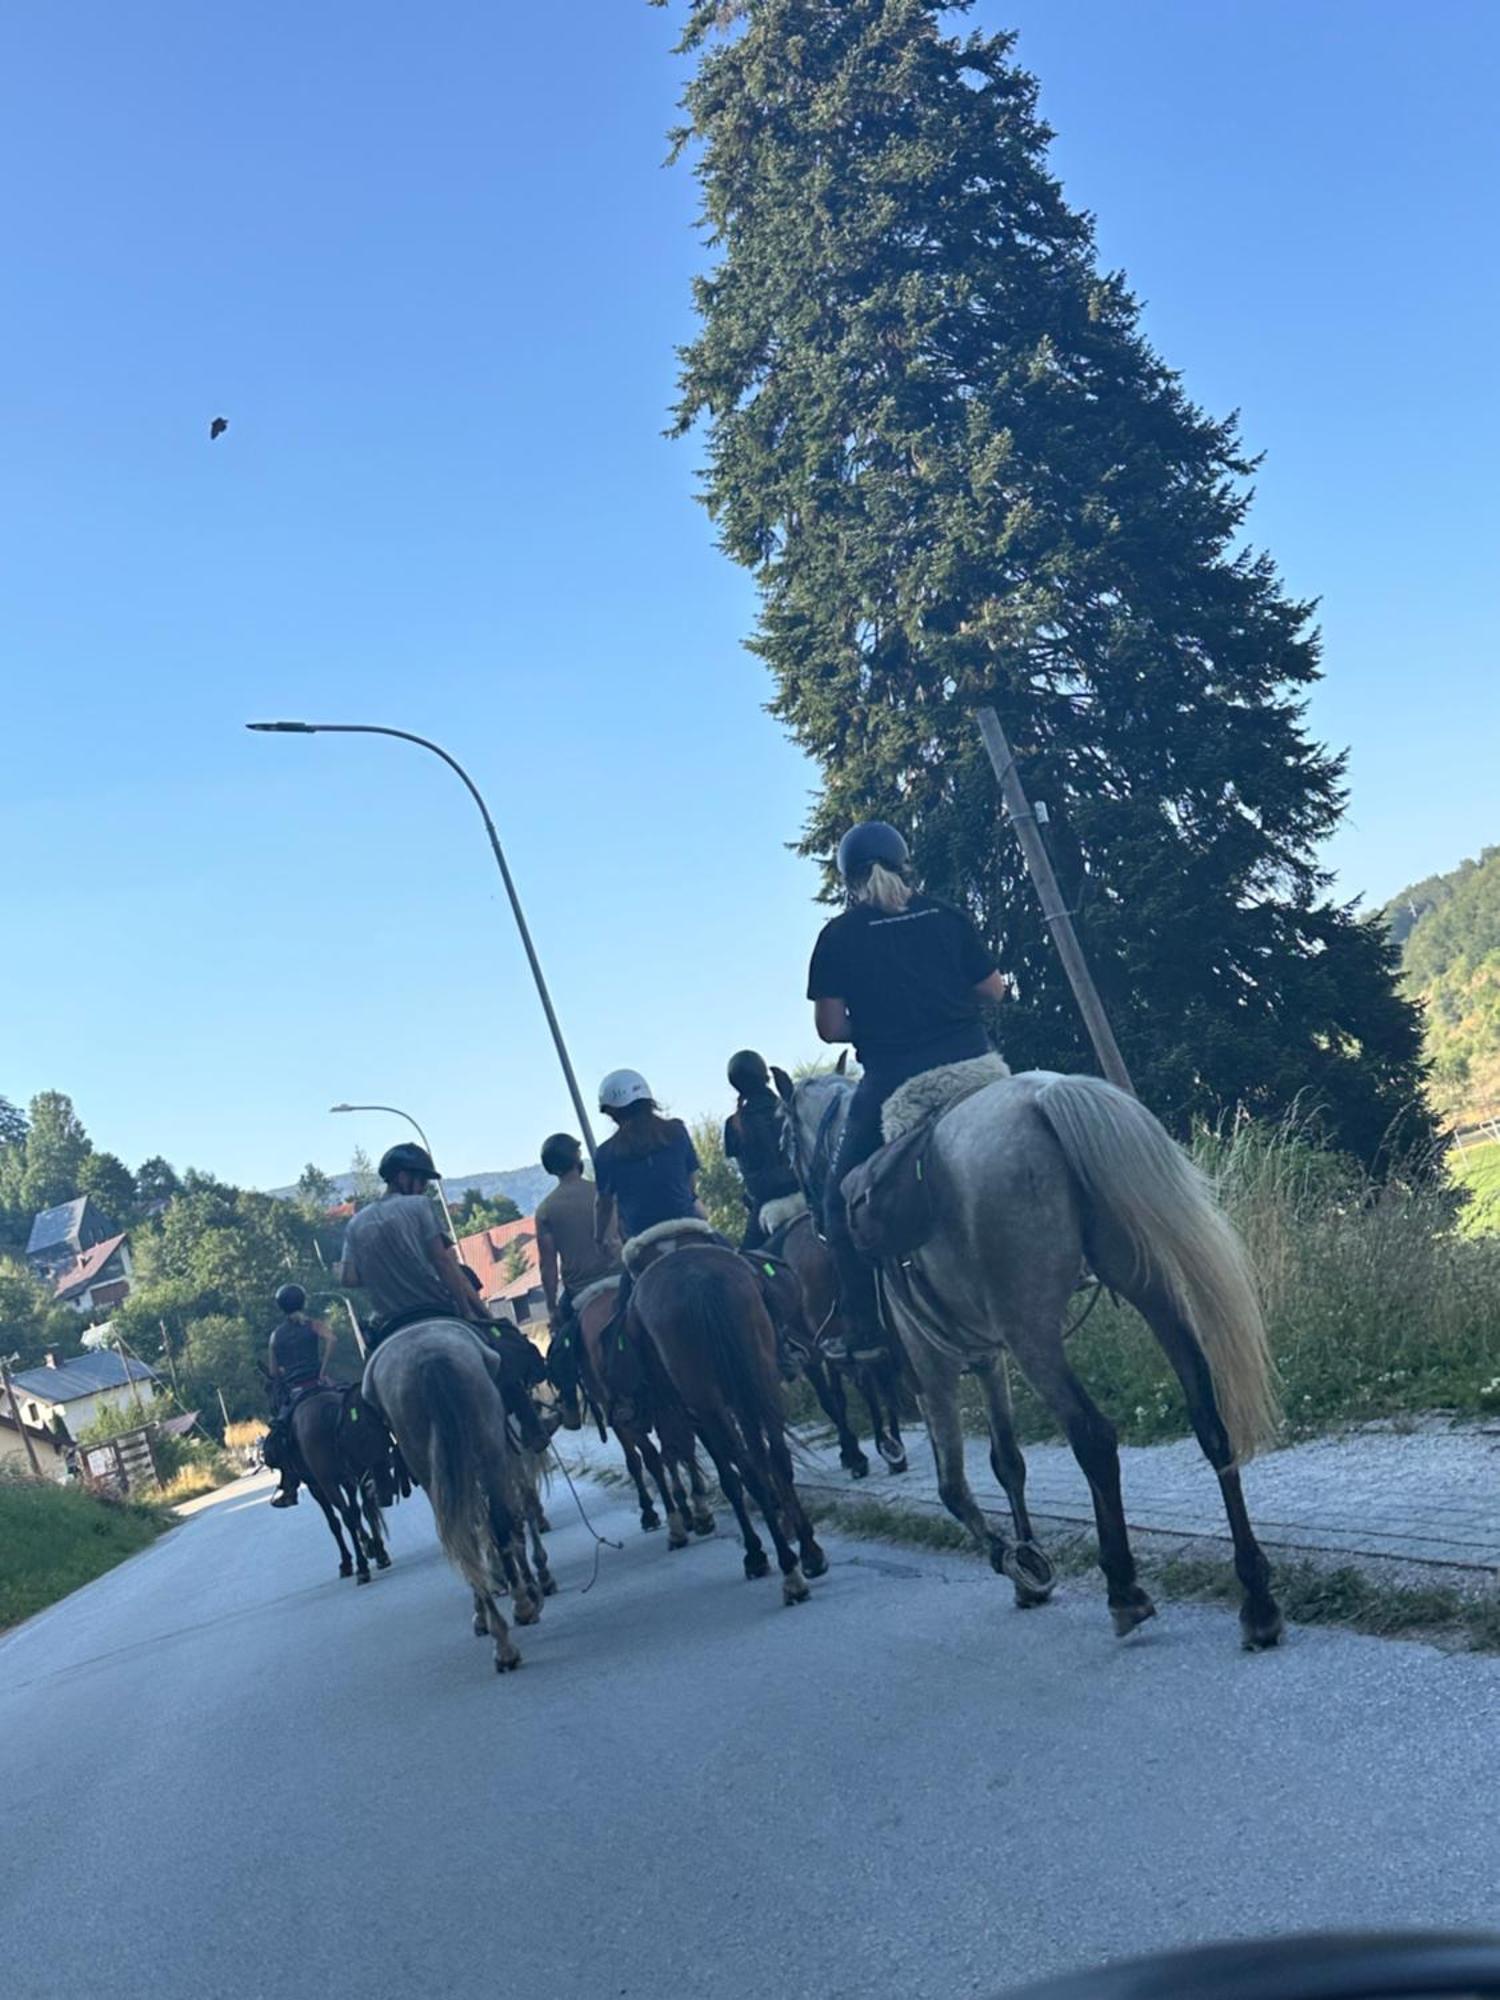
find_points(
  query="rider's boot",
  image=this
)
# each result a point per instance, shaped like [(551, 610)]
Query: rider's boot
[(286, 1493), (859, 1304)]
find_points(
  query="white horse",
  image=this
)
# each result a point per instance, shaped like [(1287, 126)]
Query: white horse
[(438, 1387), (1032, 1177)]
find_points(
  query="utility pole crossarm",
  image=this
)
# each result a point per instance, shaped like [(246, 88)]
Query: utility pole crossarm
[(1054, 911)]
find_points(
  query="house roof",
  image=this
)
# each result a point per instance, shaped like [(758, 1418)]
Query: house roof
[(78, 1277), (55, 1227), (81, 1375), (485, 1253), (38, 1435)]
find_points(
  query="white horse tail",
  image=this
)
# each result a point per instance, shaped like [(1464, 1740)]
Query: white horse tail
[(1135, 1174), (456, 1488)]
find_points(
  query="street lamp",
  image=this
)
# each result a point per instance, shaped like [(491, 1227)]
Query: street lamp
[(405, 736), (426, 1148)]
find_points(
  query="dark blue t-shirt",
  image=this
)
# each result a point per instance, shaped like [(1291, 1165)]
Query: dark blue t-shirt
[(649, 1187)]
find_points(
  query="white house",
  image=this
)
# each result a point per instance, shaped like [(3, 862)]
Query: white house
[(79, 1389)]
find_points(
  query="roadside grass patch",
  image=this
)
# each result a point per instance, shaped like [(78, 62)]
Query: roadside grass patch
[(1477, 1169), (55, 1538)]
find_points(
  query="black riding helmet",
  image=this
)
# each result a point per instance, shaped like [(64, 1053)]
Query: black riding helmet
[(290, 1299), (407, 1159), (870, 843), (748, 1073)]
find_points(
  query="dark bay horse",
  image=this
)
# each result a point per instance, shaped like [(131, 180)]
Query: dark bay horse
[(438, 1386), (799, 1247), (346, 1454), (1031, 1177), (706, 1327)]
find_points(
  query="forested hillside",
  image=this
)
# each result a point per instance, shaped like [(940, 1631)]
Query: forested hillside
[(1448, 928)]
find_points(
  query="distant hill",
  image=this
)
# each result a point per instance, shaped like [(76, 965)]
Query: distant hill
[(525, 1186), (1448, 928)]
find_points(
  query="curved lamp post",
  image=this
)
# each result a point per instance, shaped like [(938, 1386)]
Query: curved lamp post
[(406, 736), (396, 1112)]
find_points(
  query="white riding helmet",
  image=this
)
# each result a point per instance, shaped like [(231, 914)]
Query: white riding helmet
[(622, 1087)]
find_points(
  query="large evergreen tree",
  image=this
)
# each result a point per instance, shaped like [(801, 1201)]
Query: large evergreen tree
[(957, 470)]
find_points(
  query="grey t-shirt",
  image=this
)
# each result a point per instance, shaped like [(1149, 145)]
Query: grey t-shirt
[(388, 1252)]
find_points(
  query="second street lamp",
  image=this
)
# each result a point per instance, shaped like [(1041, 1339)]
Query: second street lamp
[(425, 743), (395, 1112)]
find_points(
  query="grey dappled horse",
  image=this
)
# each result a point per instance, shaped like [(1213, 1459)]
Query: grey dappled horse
[(438, 1387), (1033, 1176)]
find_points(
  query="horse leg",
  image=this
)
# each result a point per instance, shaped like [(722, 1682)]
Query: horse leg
[(348, 1505), (374, 1522), (1010, 1469), (880, 1387), (650, 1519), (938, 1378), (762, 1482), (814, 1562), (1260, 1615), (672, 1468), (1095, 1444), (677, 1525), (346, 1561), (487, 1617), (828, 1387), (703, 1513), (535, 1519), (717, 1444)]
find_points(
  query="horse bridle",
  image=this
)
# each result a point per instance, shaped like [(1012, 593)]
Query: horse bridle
[(814, 1173)]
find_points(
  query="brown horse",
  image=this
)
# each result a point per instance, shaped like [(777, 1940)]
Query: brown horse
[(346, 1454), (610, 1382), (818, 1317), (709, 1335)]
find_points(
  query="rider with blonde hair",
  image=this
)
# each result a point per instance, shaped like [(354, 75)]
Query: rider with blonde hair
[(905, 978)]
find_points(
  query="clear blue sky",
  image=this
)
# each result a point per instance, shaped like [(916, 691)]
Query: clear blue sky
[(428, 264)]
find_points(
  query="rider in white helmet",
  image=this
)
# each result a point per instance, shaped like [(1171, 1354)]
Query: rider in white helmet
[(647, 1172)]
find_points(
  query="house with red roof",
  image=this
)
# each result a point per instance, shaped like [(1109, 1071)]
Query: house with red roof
[(505, 1261)]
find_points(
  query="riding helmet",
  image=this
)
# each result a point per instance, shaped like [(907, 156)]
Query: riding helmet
[(407, 1159), (748, 1072), (869, 844), (291, 1299), (560, 1154), (622, 1088)]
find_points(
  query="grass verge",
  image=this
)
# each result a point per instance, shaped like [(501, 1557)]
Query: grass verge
[(1309, 1593), (55, 1538)]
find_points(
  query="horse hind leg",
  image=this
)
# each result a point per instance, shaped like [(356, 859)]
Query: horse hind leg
[(1027, 1565), (349, 1500), (813, 1561), (717, 1444), (374, 1522), (828, 1387), (487, 1618), (1261, 1623), (702, 1507), (535, 1521), (346, 1561), (677, 1520), (650, 1519), (880, 1385)]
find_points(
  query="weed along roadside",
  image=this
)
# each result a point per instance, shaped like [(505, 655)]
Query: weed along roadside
[(54, 1539)]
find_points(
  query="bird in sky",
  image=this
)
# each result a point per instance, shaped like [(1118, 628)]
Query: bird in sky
[(217, 428)]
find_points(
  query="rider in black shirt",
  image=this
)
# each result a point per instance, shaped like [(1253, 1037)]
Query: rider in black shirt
[(297, 1355), (904, 978), (753, 1140)]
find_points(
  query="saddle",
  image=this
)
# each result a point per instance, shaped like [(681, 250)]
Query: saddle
[(662, 1238), (889, 1199)]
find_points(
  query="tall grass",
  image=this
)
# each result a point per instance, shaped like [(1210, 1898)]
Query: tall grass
[(54, 1538), (1378, 1303)]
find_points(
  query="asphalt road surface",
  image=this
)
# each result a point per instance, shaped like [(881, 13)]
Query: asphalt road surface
[(225, 1772)]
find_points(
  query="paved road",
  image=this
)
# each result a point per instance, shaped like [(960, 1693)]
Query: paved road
[(226, 1773)]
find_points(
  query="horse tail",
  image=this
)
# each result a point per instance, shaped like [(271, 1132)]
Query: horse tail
[(457, 1474), (751, 1390), (1139, 1178)]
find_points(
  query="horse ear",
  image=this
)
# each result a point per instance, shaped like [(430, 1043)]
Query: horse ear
[(842, 1065), (784, 1086)]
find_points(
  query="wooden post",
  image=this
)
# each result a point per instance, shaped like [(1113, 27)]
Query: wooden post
[(1054, 913), (15, 1408)]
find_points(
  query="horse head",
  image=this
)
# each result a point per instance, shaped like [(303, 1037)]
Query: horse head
[(817, 1109)]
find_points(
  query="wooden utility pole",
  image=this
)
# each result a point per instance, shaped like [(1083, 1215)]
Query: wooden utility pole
[(15, 1410), (1054, 911), (359, 1337)]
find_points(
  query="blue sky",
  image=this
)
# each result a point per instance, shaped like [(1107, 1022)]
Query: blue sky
[(429, 265)]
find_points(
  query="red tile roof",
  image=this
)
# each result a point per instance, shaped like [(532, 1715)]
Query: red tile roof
[(485, 1255), (78, 1277)]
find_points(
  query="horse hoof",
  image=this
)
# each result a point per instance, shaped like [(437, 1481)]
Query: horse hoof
[(814, 1562), (1135, 1611), (346, 1569), (543, 1524), (363, 1577), (1031, 1573), (794, 1588), (650, 1520), (481, 1626), (894, 1454), (705, 1524), (549, 1585), (528, 1609), (506, 1663), (382, 1561), (857, 1468), (678, 1538), (1258, 1634), (757, 1565)]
